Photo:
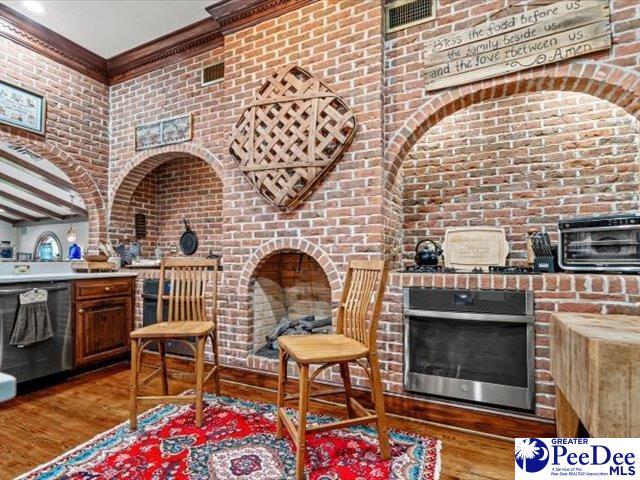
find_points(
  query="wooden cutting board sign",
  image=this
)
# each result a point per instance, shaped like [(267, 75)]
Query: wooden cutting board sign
[(466, 248)]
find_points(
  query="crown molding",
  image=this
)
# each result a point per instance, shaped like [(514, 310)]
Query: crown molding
[(234, 15), (227, 17), (173, 47), (29, 34)]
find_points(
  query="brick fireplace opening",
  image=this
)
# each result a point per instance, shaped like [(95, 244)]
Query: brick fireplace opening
[(291, 295)]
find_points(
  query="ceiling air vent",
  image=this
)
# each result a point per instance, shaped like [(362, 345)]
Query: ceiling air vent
[(212, 74), (407, 13)]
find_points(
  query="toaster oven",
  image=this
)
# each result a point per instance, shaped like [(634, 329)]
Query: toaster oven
[(607, 243)]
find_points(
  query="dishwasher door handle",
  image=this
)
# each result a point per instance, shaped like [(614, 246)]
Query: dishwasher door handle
[(10, 291)]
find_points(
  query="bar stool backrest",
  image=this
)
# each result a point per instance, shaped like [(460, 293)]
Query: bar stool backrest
[(192, 282), (361, 299)]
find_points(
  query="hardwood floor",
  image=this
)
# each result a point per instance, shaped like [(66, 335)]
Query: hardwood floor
[(39, 426)]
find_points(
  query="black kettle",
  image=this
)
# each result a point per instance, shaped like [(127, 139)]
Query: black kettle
[(427, 257)]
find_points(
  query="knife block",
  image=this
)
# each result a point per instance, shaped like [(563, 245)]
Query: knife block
[(545, 264)]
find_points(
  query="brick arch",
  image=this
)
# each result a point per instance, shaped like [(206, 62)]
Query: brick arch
[(300, 244), (607, 82), (144, 162), (72, 167)]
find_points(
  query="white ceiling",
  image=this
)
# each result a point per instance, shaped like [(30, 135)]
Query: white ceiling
[(112, 27)]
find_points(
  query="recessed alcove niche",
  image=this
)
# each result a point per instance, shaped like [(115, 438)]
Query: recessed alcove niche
[(521, 162), (288, 286), (176, 189)]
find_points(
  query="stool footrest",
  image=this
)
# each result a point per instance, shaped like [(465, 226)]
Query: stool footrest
[(169, 399), (320, 393), (357, 406), (288, 423), (149, 377), (341, 424)]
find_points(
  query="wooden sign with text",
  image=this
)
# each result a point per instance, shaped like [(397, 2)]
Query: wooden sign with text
[(537, 37)]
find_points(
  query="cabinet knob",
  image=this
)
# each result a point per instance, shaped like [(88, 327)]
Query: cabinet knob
[(107, 288), (81, 310)]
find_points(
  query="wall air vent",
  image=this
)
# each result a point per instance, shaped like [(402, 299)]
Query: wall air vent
[(407, 13), (212, 74)]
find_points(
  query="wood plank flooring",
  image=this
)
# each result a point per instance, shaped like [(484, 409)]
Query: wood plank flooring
[(40, 426)]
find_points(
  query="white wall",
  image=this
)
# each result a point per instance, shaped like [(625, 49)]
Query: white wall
[(24, 238), (7, 232)]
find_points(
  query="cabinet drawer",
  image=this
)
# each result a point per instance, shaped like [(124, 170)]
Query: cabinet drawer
[(101, 288)]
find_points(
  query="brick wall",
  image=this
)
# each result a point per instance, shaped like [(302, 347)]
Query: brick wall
[(521, 162)]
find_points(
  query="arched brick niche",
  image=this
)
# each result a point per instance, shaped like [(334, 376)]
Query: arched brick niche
[(167, 187), (78, 176), (616, 85), (289, 289), (521, 162), (276, 276)]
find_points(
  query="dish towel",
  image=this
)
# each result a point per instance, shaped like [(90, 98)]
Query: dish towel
[(33, 322)]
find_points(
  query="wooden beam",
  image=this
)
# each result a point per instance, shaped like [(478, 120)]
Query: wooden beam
[(12, 221), (50, 221), (41, 193), (31, 206), (53, 179), (17, 213)]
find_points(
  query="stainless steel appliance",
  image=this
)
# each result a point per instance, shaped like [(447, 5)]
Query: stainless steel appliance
[(41, 359), (475, 345), (607, 243)]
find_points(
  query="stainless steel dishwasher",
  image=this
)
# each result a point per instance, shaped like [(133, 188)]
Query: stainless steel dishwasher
[(41, 359)]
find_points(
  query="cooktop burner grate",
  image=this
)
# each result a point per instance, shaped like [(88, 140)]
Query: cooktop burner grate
[(509, 270)]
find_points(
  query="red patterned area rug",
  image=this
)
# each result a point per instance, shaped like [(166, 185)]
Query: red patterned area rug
[(237, 441)]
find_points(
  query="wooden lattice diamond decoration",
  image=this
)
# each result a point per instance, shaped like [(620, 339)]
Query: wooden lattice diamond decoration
[(288, 138)]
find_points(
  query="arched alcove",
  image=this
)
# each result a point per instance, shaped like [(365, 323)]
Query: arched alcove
[(290, 294), (520, 162), (168, 188)]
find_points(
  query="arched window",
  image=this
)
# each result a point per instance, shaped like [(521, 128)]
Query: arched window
[(48, 248)]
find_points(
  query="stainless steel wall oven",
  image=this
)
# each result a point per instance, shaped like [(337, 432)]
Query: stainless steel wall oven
[(475, 345)]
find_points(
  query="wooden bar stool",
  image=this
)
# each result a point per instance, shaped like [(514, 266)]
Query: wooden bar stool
[(355, 342), (187, 319)]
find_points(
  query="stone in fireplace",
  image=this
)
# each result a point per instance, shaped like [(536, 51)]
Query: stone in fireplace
[(291, 296)]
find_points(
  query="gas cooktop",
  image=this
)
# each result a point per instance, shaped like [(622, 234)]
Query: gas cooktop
[(499, 270)]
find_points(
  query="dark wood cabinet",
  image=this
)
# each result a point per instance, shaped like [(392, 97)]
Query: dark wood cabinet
[(103, 311)]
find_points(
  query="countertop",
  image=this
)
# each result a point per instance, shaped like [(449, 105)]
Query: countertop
[(59, 276)]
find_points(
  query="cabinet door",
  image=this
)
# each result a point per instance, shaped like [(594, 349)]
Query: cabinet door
[(102, 329)]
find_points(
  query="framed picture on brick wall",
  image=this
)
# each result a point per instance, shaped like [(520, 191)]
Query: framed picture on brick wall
[(22, 109), (164, 132)]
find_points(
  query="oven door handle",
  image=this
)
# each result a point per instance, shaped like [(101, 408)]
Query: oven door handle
[(482, 317)]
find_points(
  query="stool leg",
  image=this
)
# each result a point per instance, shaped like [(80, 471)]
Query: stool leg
[(346, 380), (216, 362), (199, 379), (163, 364), (282, 381), (383, 434), (133, 389), (302, 421)]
